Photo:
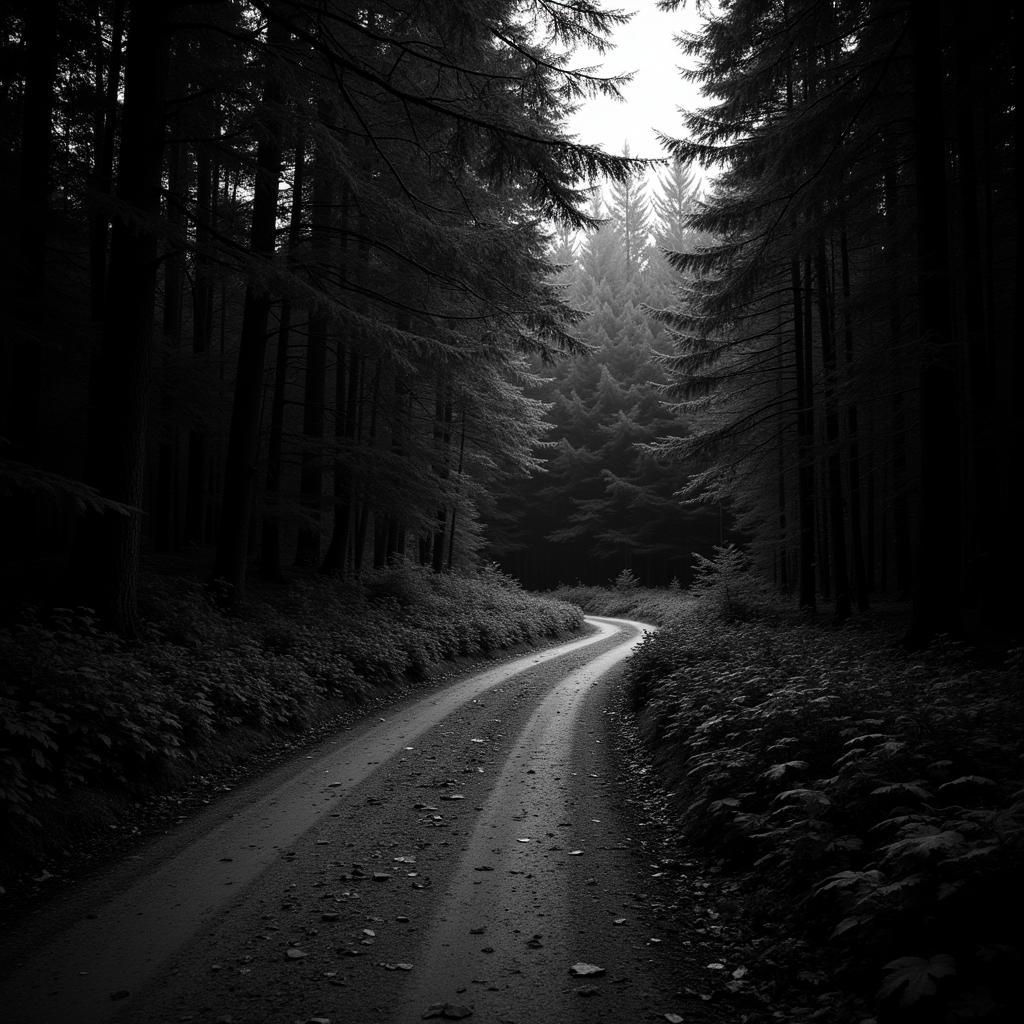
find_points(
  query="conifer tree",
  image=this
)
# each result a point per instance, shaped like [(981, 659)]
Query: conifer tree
[(804, 326)]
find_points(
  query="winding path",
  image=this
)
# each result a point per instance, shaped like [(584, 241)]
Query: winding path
[(460, 854)]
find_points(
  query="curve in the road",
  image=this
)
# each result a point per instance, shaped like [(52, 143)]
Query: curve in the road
[(506, 922), (114, 936)]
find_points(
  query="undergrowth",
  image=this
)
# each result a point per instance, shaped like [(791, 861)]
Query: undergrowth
[(81, 707), (875, 797), (647, 604)]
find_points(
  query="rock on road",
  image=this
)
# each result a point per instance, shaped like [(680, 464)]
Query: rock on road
[(461, 854)]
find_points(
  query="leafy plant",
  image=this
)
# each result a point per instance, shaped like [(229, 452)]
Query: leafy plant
[(78, 706), (877, 796)]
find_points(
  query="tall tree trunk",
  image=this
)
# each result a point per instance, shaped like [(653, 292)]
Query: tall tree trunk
[(981, 584), (1014, 496), (350, 384), (207, 181), (363, 517), (174, 258), (270, 546), (458, 489), (108, 82), (21, 394), (782, 581), (902, 542), (165, 513), (119, 394), (834, 469), (197, 529), (805, 442), (315, 380), (443, 435), (937, 593), (860, 572), (243, 436)]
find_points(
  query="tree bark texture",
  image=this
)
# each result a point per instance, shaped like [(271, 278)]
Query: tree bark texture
[(937, 593), (244, 432), (119, 397), (270, 546)]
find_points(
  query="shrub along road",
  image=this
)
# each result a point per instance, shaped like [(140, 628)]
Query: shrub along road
[(461, 854)]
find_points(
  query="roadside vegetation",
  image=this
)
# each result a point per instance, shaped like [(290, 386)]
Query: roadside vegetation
[(627, 599), (81, 707), (872, 799)]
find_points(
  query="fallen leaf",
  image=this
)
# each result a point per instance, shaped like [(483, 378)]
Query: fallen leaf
[(575, 853), (619, 920), (716, 967), (369, 933), (295, 954), (582, 970), (673, 1018)]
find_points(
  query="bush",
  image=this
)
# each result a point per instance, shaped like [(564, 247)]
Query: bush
[(647, 604), (877, 794), (78, 706)]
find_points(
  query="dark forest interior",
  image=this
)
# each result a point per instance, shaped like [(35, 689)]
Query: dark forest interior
[(280, 290), (324, 343)]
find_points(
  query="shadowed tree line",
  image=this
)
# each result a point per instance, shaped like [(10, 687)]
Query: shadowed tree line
[(847, 347), (272, 277)]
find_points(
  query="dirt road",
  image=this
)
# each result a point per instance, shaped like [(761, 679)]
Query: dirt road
[(459, 855)]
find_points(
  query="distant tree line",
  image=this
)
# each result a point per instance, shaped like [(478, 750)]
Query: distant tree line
[(272, 271), (602, 501)]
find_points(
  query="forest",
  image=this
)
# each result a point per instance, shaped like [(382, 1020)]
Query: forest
[(330, 355), (274, 278), (299, 284)]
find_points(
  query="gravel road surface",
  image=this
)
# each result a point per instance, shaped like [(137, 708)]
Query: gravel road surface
[(457, 858)]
